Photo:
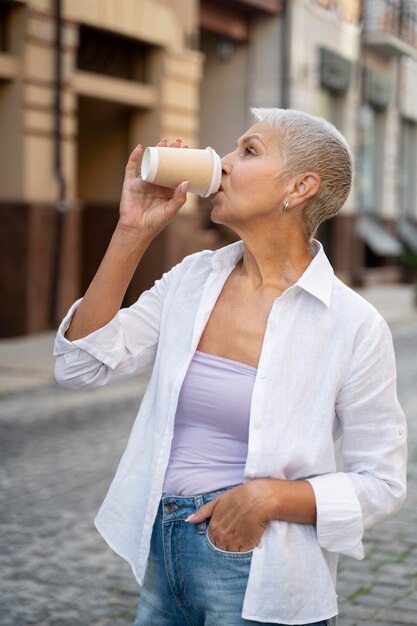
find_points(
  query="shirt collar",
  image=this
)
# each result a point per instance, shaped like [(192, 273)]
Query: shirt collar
[(317, 279)]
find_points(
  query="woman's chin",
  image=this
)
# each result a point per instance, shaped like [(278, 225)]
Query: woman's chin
[(216, 217)]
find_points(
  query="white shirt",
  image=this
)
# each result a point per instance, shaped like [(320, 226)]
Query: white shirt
[(326, 370)]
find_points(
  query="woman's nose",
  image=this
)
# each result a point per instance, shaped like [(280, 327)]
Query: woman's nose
[(226, 164)]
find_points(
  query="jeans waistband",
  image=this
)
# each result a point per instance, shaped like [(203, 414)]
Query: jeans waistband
[(176, 507)]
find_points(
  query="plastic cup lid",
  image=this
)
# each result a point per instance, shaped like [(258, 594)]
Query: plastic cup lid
[(216, 175), (149, 165)]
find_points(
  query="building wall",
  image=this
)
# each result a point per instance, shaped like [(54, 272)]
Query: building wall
[(386, 51), (11, 109), (224, 97), (314, 27), (197, 84), (265, 62), (102, 118), (242, 68), (335, 26), (408, 111)]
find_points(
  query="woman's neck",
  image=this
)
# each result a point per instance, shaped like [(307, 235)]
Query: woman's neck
[(273, 261)]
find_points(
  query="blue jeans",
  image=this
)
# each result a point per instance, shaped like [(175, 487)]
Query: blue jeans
[(188, 580)]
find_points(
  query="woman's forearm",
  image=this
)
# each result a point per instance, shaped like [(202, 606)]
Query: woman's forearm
[(145, 209), (105, 294)]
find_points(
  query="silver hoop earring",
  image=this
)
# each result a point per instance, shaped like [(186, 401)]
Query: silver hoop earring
[(286, 205)]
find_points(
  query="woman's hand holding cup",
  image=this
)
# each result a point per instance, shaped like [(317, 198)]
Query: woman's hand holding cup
[(145, 208)]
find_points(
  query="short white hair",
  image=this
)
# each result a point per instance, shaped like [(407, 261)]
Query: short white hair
[(312, 144)]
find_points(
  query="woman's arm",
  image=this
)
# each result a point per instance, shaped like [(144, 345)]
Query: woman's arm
[(97, 342), (145, 210), (372, 484), (105, 294)]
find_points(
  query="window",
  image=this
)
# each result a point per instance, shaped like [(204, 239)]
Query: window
[(4, 10), (408, 169), (408, 21), (113, 55), (371, 159), (332, 107)]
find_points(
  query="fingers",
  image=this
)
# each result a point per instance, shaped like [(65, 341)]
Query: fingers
[(177, 143), (202, 514), (132, 167), (183, 188), (174, 144), (178, 200)]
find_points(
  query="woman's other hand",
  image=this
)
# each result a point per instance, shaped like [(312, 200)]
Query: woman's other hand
[(238, 517), (145, 209)]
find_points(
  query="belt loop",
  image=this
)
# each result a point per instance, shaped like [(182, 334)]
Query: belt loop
[(202, 525)]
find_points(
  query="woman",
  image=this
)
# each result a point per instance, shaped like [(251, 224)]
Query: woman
[(227, 502)]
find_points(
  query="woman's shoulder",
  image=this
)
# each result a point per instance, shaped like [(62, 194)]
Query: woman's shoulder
[(353, 305), (208, 258), (204, 256)]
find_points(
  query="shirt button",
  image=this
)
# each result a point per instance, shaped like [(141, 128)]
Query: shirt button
[(251, 474), (400, 432), (262, 376), (271, 326), (257, 423)]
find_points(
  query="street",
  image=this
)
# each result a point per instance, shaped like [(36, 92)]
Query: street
[(59, 451)]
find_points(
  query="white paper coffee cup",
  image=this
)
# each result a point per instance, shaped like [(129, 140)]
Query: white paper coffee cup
[(168, 167)]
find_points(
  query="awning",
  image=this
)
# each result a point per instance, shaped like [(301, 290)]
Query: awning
[(408, 233), (378, 238)]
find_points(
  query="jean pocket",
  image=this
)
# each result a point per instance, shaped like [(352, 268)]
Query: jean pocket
[(234, 555)]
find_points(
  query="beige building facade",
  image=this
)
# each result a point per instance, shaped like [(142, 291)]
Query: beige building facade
[(83, 81)]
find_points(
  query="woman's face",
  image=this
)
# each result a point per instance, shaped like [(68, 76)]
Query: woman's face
[(250, 190)]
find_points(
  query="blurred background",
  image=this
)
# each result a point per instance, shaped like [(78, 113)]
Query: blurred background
[(83, 81)]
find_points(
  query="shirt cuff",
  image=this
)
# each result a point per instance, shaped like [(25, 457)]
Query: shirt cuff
[(339, 514), (104, 344)]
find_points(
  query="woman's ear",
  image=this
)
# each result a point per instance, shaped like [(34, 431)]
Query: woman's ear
[(305, 186)]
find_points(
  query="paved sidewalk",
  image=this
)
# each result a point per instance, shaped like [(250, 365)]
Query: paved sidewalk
[(394, 302), (26, 363)]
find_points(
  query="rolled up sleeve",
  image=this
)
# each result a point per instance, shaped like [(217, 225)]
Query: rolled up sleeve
[(373, 448), (124, 347)]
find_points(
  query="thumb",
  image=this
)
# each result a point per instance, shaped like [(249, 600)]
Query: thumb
[(132, 166), (203, 513), (178, 199)]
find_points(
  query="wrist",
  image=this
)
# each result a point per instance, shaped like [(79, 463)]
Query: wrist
[(265, 492), (272, 495), (288, 500), (132, 237)]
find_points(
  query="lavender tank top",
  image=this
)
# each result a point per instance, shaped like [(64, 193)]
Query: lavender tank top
[(211, 429)]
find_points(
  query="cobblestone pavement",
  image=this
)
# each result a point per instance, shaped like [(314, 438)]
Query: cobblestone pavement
[(59, 451)]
